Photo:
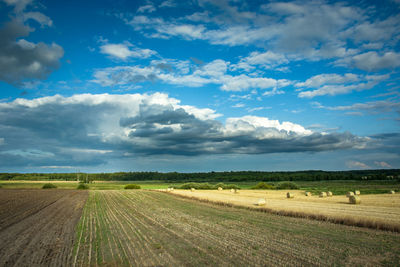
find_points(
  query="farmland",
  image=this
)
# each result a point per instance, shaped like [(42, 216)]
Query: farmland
[(60, 227), (337, 187), (376, 211), (150, 228), (37, 227)]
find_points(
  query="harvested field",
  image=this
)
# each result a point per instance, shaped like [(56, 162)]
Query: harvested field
[(375, 211), (37, 227), (148, 228)]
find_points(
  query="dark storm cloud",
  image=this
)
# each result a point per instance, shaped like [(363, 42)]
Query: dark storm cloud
[(93, 129), (23, 60)]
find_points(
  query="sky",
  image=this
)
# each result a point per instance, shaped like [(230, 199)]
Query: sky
[(199, 85)]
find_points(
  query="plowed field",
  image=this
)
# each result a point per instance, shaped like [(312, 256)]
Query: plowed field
[(37, 227), (144, 228)]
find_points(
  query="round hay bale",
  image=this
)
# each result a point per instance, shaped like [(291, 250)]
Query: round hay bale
[(219, 188), (354, 200), (261, 202), (168, 189), (329, 193), (232, 190), (349, 194), (192, 189), (172, 189), (322, 194), (289, 195), (236, 191), (357, 193), (392, 192), (308, 194)]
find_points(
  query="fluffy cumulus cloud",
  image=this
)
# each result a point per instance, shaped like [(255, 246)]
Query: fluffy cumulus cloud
[(21, 59), (92, 129)]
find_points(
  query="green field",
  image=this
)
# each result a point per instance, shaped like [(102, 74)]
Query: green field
[(337, 187)]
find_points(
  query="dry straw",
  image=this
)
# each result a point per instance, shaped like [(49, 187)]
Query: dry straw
[(357, 193), (289, 195), (349, 194), (322, 194), (192, 189), (329, 194), (219, 188), (261, 202), (354, 200), (308, 194)]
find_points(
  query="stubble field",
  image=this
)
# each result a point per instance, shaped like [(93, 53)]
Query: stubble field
[(147, 228), (380, 211), (151, 228)]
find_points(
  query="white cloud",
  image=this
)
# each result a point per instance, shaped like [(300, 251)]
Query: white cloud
[(372, 107), (357, 165), (324, 79), (372, 61), (238, 105), (314, 31), (146, 9), (382, 164), (259, 124), (167, 3), (266, 60), (19, 5), (214, 72), (42, 19), (123, 51), (335, 84)]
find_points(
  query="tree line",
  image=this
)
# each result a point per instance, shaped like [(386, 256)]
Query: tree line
[(228, 176)]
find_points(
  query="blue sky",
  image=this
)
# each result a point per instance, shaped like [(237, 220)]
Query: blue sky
[(199, 85)]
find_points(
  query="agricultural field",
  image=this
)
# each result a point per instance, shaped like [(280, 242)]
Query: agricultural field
[(337, 187), (37, 227), (150, 228), (380, 211)]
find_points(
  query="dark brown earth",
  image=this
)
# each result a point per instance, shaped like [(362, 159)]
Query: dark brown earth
[(37, 227)]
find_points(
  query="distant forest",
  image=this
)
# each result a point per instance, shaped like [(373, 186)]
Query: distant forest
[(232, 176)]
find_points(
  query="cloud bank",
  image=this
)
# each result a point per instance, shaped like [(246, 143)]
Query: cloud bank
[(91, 129)]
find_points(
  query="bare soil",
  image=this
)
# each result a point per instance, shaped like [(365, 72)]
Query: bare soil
[(37, 227)]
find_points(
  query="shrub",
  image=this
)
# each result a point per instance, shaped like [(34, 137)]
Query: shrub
[(287, 185), (1, 186), (263, 185), (49, 186), (196, 186), (132, 186), (82, 186)]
